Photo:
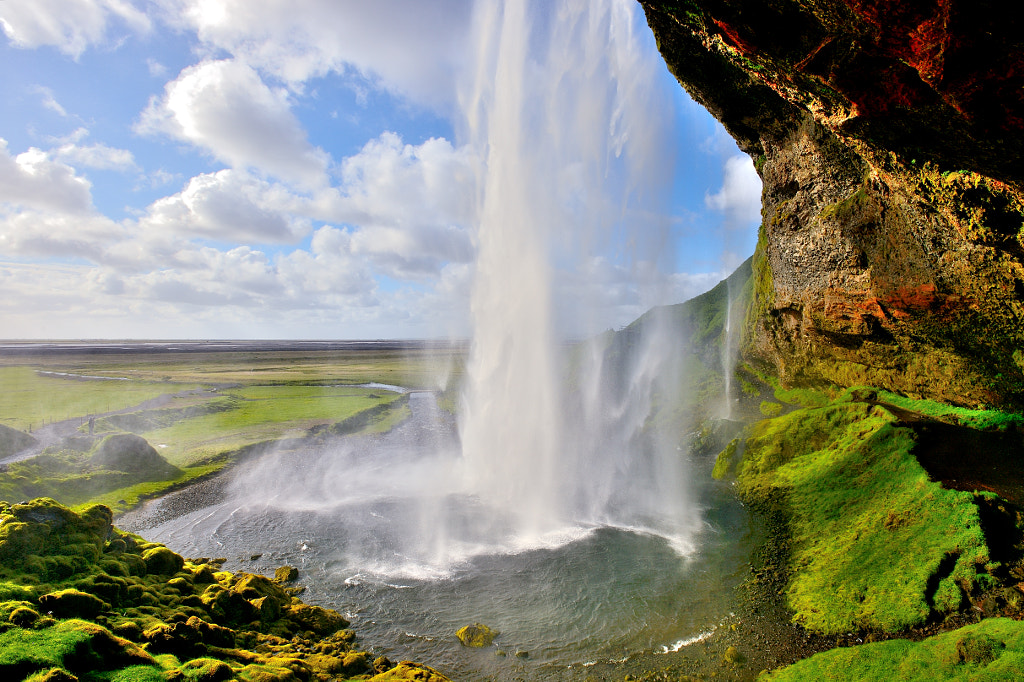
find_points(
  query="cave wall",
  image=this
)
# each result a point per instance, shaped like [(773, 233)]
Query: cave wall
[(889, 137)]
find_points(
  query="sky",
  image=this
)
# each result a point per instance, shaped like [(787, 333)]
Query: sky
[(296, 169)]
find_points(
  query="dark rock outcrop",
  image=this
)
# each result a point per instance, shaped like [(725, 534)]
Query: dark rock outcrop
[(890, 140)]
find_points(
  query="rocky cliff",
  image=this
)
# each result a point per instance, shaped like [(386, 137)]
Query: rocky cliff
[(889, 136)]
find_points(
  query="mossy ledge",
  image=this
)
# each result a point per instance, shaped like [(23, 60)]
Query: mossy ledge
[(880, 540), (81, 600)]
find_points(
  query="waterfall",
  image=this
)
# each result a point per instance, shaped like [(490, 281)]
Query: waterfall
[(568, 163), (728, 359)]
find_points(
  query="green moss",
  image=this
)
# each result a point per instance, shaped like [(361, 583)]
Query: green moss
[(726, 460), (477, 635), (75, 645), (770, 409), (972, 418), (874, 543), (990, 650)]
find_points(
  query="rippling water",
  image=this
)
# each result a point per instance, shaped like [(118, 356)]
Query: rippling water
[(377, 536)]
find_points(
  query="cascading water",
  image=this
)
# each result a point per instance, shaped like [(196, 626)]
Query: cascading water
[(565, 144), (560, 510), (728, 358)]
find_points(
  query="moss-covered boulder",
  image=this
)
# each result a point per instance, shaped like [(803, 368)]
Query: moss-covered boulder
[(162, 561), (74, 645), (72, 603), (476, 635), (132, 454), (286, 574), (60, 569), (319, 620)]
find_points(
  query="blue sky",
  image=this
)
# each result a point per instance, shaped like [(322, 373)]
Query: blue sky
[(308, 169)]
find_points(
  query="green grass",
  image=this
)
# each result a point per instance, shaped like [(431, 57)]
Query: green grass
[(975, 419), (200, 432), (261, 413), (990, 650), (29, 400), (875, 544)]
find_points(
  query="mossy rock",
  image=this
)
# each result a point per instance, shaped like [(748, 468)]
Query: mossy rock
[(477, 635), (162, 561), (74, 645), (203, 670), (23, 616), (320, 620), (407, 670), (72, 603), (252, 586), (132, 454), (286, 574), (52, 675)]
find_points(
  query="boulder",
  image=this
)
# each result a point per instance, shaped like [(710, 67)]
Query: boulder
[(476, 635), (72, 603), (134, 455), (162, 561)]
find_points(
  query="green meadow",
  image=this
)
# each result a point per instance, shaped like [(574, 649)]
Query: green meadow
[(199, 411)]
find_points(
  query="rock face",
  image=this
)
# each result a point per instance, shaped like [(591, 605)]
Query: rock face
[(889, 136)]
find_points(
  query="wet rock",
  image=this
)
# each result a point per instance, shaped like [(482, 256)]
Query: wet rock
[(286, 574), (476, 635)]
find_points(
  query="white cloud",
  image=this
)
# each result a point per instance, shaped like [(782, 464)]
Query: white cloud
[(740, 195), (231, 206), (413, 204), (225, 108), (49, 101), (50, 234), (98, 156), (411, 48), (69, 25), (33, 179)]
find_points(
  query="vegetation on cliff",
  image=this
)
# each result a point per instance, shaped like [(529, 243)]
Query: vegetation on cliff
[(874, 540), (79, 599)]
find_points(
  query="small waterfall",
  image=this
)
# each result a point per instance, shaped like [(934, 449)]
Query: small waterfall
[(728, 357)]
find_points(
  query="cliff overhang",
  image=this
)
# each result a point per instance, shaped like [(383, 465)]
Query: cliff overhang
[(889, 137)]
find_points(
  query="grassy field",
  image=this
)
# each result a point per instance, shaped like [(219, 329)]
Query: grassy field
[(198, 410), (30, 398)]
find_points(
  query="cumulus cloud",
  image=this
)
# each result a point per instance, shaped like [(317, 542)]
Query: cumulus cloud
[(69, 25), (740, 195), (225, 108), (410, 48), (33, 179), (230, 206), (413, 204)]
